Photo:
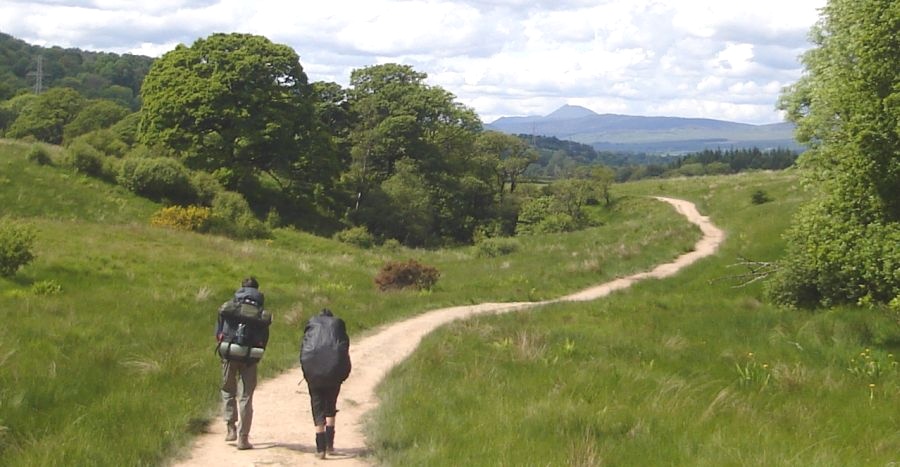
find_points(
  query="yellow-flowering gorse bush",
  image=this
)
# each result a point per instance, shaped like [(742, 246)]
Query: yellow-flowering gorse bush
[(191, 218)]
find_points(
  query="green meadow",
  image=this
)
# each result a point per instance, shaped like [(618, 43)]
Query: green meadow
[(106, 348), (696, 369)]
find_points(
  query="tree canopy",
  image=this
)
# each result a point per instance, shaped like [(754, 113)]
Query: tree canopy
[(843, 247), (238, 105)]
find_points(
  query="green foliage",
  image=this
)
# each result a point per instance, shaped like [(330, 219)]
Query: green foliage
[(542, 215), (189, 218), (238, 103), (46, 116), (847, 107), (126, 128), (205, 186), (157, 178), (409, 204), (16, 245), (873, 365), (231, 216), (496, 246), (125, 283), (359, 236), (94, 115), (93, 74), (833, 258), (397, 275), (658, 374), (47, 287), (84, 158), (105, 141), (759, 197), (412, 140), (39, 155)]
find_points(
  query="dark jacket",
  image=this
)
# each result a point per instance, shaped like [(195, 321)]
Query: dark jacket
[(325, 351)]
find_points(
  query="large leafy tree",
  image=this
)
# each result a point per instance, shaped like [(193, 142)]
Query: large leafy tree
[(843, 246), (398, 117), (238, 105), (507, 156), (46, 116)]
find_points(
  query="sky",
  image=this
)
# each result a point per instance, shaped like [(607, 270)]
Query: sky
[(726, 60)]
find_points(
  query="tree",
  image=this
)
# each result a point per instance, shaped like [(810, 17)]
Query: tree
[(45, 117), (508, 156), (95, 115), (842, 246), (396, 117), (603, 178), (238, 105)]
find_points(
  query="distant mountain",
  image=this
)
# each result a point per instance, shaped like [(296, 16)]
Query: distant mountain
[(611, 132)]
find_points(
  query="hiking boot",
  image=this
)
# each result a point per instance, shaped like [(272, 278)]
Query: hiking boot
[(321, 444), (329, 439), (231, 435), (244, 443)]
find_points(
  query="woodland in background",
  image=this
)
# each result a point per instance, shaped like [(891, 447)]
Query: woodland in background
[(232, 136)]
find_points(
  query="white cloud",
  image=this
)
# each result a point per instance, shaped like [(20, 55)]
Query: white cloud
[(699, 58)]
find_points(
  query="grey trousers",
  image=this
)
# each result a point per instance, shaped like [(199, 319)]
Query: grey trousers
[(232, 372)]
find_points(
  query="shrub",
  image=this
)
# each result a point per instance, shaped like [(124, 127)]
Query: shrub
[(273, 219), (494, 247), (231, 216), (359, 236), (205, 187), (16, 244), (760, 197), (397, 275), (82, 157), (392, 244), (39, 155), (844, 262), (190, 218), (157, 178), (105, 141), (48, 287)]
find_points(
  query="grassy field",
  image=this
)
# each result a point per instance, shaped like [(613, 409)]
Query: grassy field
[(117, 368), (690, 370)]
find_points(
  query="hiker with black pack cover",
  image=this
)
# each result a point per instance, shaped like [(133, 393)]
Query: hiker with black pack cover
[(325, 362), (242, 332)]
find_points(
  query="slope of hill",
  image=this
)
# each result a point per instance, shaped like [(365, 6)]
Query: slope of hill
[(611, 132), (106, 349)]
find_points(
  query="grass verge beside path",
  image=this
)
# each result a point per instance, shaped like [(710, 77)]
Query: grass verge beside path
[(689, 370), (117, 367)]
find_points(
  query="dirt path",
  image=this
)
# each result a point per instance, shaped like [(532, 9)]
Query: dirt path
[(282, 432)]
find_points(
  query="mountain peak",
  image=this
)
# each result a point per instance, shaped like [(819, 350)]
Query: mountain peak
[(570, 111)]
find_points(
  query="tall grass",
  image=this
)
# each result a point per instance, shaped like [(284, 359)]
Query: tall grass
[(690, 370), (117, 368)]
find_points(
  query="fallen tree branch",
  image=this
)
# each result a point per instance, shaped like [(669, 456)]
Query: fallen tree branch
[(758, 270)]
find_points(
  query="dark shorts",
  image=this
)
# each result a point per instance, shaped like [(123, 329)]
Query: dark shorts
[(324, 402)]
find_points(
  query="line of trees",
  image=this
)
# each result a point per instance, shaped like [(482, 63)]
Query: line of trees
[(94, 75), (559, 159), (232, 123)]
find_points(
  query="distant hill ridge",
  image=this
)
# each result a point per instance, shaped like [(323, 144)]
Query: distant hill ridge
[(648, 134)]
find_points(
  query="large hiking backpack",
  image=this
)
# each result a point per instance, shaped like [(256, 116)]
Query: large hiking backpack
[(325, 351), (245, 329)]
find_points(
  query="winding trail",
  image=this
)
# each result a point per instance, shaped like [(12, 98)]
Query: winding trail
[(282, 432)]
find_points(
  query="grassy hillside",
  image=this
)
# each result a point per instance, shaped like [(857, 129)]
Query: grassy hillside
[(690, 370), (117, 368)]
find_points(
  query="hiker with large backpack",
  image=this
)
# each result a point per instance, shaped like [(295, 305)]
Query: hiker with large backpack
[(242, 332), (325, 362)]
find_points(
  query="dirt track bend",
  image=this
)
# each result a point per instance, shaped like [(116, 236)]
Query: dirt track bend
[(282, 432)]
